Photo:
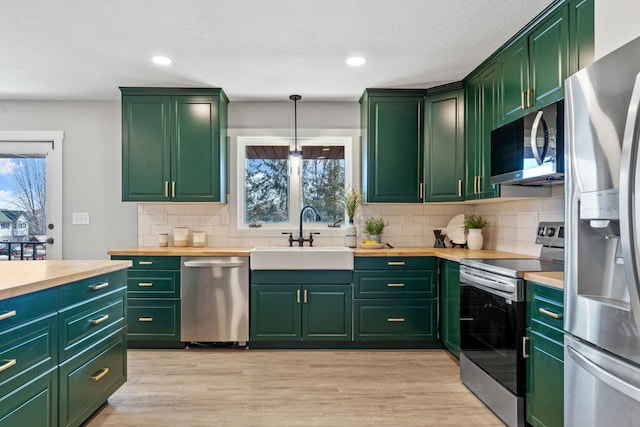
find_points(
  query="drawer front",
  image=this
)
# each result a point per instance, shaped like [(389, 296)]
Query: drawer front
[(395, 320), (153, 320), (86, 381), (32, 404), (395, 263), (152, 262), (82, 325), (153, 284), (94, 287), (27, 351), (20, 310), (400, 284), (546, 305)]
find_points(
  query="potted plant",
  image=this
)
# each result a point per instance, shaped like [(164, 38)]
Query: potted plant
[(475, 224), (351, 200), (374, 226)]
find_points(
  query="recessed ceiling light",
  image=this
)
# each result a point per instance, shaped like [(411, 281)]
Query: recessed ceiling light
[(161, 60), (355, 61)]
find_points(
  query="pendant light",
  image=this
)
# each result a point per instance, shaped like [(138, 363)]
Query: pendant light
[(296, 152)]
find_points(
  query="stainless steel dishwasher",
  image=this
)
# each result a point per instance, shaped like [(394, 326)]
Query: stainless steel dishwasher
[(214, 299)]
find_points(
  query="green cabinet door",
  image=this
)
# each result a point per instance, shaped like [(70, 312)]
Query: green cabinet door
[(146, 149), (514, 80), (489, 106), (276, 313), (195, 159), (444, 146), (545, 382), (32, 404), (174, 144), (392, 145), (549, 60), (472, 135), (582, 34), (450, 306), (326, 313)]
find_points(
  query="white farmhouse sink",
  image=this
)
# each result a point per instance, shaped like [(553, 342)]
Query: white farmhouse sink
[(305, 258)]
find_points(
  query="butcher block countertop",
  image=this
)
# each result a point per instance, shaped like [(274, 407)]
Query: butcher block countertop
[(181, 251), (23, 277), (549, 278)]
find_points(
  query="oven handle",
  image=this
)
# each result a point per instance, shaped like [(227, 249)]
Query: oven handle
[(506, 295), (473, 279)]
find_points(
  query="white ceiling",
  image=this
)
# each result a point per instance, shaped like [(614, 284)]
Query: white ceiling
[(253, 49)]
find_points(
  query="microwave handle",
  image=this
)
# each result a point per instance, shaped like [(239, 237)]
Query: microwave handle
[(534, 138)]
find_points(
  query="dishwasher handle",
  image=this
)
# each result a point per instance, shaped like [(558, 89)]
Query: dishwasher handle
[(214, 263)]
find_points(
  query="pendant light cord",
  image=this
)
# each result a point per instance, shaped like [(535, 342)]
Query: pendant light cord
[(295, 99)]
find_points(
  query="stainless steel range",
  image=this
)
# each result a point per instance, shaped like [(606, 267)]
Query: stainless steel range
[(492, 323)]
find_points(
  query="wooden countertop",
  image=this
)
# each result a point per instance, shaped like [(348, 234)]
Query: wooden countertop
[(181, 251), (549, 278), (23, 277)]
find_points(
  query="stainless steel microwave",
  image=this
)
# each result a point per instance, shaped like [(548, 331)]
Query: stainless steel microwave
[(530, 150)]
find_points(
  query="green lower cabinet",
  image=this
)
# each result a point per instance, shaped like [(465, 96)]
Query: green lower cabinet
[(409, 320), (450, 306), (32, 404), (544, 355), (300, 312), (545, 382)]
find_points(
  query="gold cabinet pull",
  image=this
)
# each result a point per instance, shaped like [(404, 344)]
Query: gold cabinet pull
[(459, 188), (166, 189), (145, 284), (395, 285), (550, 313), (298, 296), (479, 184), (522, 99), (7, 364), (145, 319), (145, 263), (395, 263), (475, 184), (395, 319), (524, 347), (173, 189), (305, 296), (100, 320), (100, 374), (529, 92), (8, 314), (99, 286), (421, 189)]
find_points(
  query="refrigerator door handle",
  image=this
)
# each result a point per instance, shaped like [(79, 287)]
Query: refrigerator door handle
[(629, 182), (603, 375)]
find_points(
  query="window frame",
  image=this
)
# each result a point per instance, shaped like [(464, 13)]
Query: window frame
[(318, 138)]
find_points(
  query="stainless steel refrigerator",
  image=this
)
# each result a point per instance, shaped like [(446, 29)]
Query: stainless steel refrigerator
[(602, 214)]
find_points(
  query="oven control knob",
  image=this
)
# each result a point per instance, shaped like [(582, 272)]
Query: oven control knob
[(540, 231), (550, 231)]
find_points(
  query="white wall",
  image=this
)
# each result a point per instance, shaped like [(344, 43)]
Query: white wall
[(91, 171), (616, 23)]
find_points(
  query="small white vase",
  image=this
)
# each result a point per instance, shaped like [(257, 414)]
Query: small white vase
[(475, 239), (350, 237)]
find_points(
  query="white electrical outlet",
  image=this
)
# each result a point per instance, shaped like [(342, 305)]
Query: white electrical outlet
[(160, 219), (80, 218)]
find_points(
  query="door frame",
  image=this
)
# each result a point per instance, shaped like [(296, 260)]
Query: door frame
[(54, 178)]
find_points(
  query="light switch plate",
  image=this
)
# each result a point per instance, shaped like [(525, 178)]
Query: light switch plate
[(80, 218)]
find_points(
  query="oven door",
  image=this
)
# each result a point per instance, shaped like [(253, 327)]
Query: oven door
[(491, 329)]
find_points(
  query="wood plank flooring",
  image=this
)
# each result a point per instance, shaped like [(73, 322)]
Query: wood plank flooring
[(281, 388)]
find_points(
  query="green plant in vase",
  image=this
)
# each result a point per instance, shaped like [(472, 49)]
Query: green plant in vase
[(475, 224), (351, 200), (375, 227)]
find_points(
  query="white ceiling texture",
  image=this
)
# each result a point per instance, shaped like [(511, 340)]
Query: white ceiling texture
[(253, 49)]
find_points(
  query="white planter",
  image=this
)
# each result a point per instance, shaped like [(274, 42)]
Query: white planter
[(475, 239), (350, 237)]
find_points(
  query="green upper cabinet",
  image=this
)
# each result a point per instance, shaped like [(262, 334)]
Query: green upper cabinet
[(581, 37), (533, 69), (444, 144), (481, 94), (392, 145), (174, 144)]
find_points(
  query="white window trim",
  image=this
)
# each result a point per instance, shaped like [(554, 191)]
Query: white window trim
[(32, 142), (240, 138)]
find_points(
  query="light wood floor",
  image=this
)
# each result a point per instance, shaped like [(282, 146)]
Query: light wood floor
[(278, 388)]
